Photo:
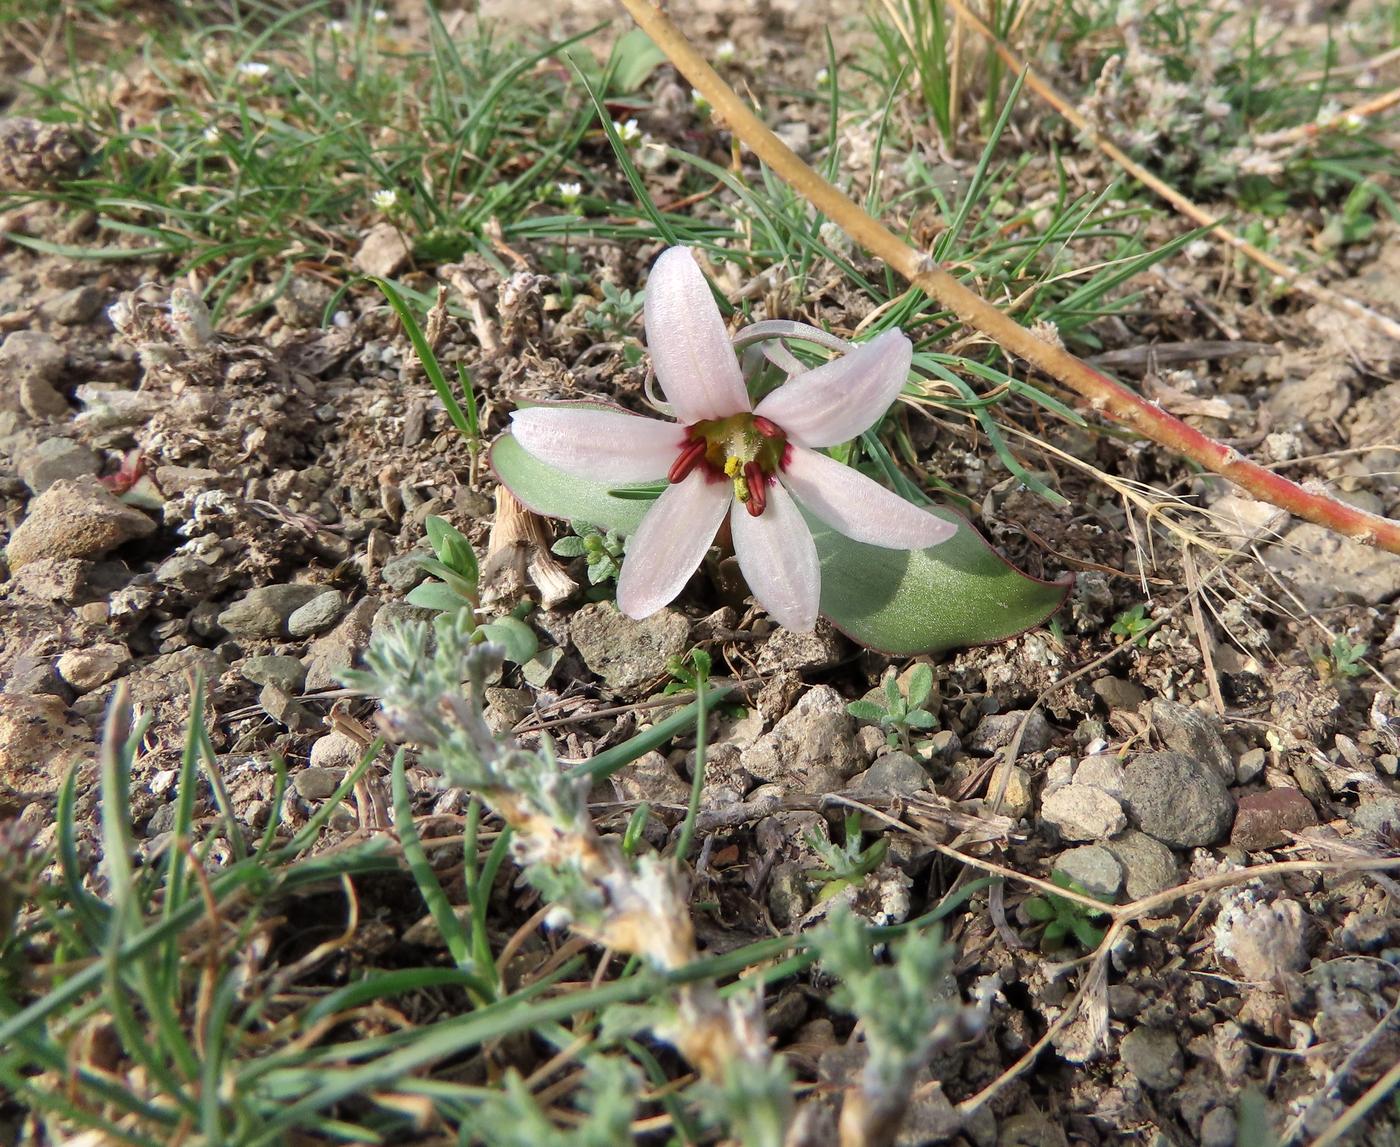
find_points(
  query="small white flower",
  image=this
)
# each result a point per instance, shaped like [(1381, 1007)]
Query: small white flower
[(379, 16), (1197, 249), (336, 28), (569, 193), (702, 105), (726, 51), (628, 132), (212, 134), (822, 76), (725, 458), (385, 199), (254, 69)]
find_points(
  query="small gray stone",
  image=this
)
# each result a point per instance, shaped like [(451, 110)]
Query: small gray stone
[(505, 708), (1373, 814), (929, 1118), (53, 460), (316, 784), (263, 612), (1265, 940), (1083, 813), (318, 614), (1148, 865), (341, 648), (1101, 771), (41, 401), (404, 572), (75, 306), (625, 653), (162, 820), (1218, 1128), (651, 778), (812, 748), (28, 355), (382, 252), (1093, 866), (286, 710), (1328, 569), (1152, 1056), (335, 751), (819, 648), (35, 673), (1193, 732), (789, 894), (1030, 1129), (895, 774), (1018, 799), (1177, 799), (86, 669), (1247, 768), (1119, 694), (287, 673), (76, 518), (997, 730)]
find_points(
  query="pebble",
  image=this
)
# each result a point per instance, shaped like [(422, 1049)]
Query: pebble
[(1152, 1057), (627, 654), (55, 459), (1329, 570), (895, 774), (1264, 940), (812, 748), (75, 306), (1148, 865), (286, 710), (86, 669), (1030, 1129), (1375, 812), (1081, 812), (29, 356), (996, 730), (1263, 820), (1194, 733), (1017, 800), (382, 252), (819, 648), (316, 784), (1177, 799), (1250, 764), (404, 572), (263, 612), (75, 518), (36, 673), (1218, 1128), (1119, 694), (652, 778), (340, 649), (287, 673), (318, 614), (336, 751), (1094, 867), (1101, 771)]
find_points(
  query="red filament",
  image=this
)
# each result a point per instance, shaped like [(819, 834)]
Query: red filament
[(690, 457)]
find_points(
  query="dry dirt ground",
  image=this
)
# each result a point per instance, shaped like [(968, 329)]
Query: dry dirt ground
[(275, 479)]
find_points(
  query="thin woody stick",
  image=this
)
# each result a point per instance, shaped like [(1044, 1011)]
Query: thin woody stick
[(1102, 393), (1295, 279)]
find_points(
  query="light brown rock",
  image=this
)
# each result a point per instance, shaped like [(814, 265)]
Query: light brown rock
[(78, 518)]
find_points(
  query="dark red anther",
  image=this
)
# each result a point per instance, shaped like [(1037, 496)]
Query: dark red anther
[(766, 427), (758, 489), (689, 458)]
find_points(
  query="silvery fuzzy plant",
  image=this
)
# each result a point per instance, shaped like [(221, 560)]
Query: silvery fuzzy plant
[(431, 693)]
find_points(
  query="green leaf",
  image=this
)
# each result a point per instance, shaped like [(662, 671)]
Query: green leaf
[(1038, 910), (920, 685), (519, 639), (1089, 936), (568, 547), (465, 587), (865, 710), (435, 595), (920, 719), (634, 58), (901, 602), (893, 700)]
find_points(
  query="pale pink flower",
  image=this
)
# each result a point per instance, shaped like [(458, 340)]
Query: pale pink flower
[(724, 455)]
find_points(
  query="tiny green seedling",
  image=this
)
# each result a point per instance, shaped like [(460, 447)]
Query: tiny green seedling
[(454, 586), (604, 551), (1064, 918), (1341, 660), (1132, 624), (846, 864), (900, 714), (689, 672)]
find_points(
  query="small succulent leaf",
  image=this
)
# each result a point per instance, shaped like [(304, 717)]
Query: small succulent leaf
[(465, 586), (1038, 910), (555, 494), (920, 685), (1087, 935), (438, 529), (1054, 936), (894, 702), (517, 638), (920, 719), (457, 554), (702, 662), (435, 595), (865, 710)]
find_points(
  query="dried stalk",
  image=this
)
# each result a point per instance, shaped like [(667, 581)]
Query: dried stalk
[(1102, 393)]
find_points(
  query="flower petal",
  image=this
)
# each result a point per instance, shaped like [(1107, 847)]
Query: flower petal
[(779, 560), (607, 444), (690, 348), (670, 543), (843, 397), (849, 502)]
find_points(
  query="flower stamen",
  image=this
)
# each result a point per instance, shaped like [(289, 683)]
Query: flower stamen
[(691, 455), (757, 483)]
